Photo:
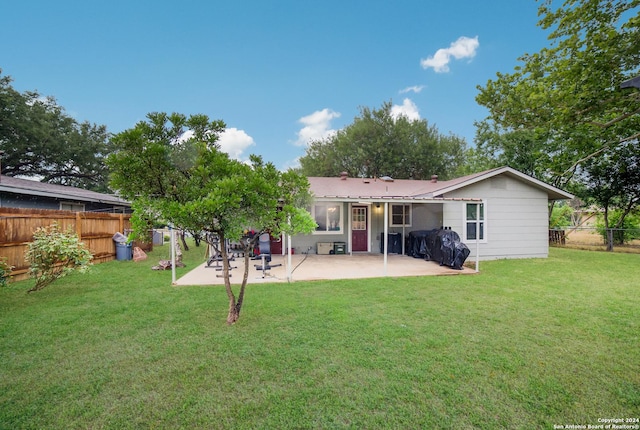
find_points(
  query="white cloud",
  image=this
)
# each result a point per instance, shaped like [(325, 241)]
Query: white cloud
[(464, 47), (407, 109), (234, 142), (416, 89), (316, 126)]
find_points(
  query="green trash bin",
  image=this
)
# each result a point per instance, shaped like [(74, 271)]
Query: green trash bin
[(339, 248)]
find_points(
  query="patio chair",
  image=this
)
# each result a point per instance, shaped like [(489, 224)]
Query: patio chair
[(264, 247)]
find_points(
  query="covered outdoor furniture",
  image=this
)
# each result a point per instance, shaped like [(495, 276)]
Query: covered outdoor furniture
[(440, 245)]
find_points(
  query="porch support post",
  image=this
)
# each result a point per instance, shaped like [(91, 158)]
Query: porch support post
[(349, 226), (478, 237), (404, 226), (386, 235), (289, 257), (172, 232)]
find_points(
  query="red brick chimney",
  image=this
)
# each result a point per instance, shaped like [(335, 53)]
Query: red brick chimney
[(343, 176), (434, 179)]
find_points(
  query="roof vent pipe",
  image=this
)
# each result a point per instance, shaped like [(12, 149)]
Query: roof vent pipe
[(343, 176), (434, 179)]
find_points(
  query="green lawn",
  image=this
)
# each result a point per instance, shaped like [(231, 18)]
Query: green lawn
[(525, 344)]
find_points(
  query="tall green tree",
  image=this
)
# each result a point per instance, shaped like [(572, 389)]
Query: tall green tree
[(612, 181), (172, 168), (564, 106), (40, 140), (378, 143)]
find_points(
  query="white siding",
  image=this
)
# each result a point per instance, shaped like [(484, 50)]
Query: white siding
[(516, 215), (424, 216)]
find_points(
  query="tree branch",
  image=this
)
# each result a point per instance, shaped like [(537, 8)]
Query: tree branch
[(613, 121), (582, 160)]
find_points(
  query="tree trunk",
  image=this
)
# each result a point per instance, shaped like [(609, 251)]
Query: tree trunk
[(184, 242), (608, 232), (234, 313)]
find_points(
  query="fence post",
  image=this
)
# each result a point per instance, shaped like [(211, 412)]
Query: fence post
[(78, 226)]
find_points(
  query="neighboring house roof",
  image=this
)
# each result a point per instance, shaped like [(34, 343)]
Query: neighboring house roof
[(34, 188), (345, 188), (631, 83)]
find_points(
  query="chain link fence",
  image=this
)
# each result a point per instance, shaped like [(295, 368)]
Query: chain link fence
[(597, 239)]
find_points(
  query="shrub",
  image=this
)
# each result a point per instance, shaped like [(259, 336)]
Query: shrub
[(54, 254), (628, 231), (5, 272)]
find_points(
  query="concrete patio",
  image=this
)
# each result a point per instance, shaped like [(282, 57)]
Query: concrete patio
[(315, 267)]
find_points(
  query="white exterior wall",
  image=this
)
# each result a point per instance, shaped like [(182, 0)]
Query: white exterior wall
[(302, 242), (516, 218), (424, 216)]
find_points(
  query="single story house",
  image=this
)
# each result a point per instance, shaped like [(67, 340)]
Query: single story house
[(24, 193), (498, 213)]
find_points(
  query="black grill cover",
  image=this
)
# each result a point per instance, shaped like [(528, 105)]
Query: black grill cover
[(442, 246)]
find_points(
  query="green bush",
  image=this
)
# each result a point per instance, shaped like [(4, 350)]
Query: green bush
[(54, 254), (5, 272)]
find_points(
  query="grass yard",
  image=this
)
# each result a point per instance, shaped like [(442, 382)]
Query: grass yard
[(525, 344)]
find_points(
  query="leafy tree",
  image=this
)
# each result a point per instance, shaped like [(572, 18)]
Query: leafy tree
[(564, 105), (612, 181), (625, 231), (54, 254), (173, 169), (40, 140), (378, 143)]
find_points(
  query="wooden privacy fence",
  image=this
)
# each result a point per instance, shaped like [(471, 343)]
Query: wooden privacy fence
[(96, 230)]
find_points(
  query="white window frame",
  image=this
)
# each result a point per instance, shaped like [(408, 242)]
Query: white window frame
[(483, 221), (340, 206), (409, 205)]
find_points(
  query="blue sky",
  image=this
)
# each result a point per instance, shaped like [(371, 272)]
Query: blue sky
[(279, 73)]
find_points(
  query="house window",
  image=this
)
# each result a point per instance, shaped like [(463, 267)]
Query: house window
[(328, 216), (474, 216), (400, 215), (74, 207)]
